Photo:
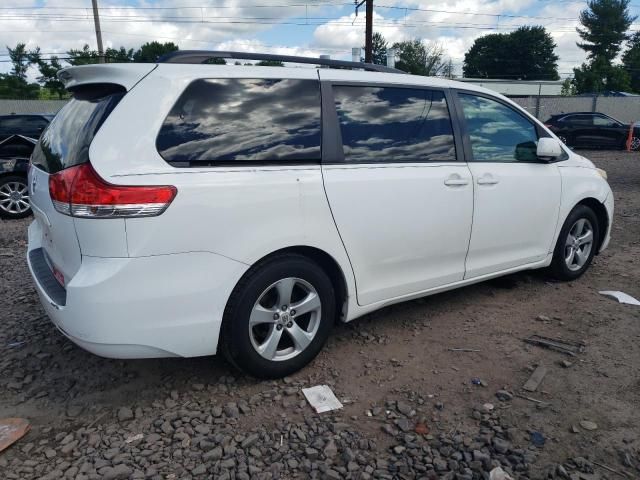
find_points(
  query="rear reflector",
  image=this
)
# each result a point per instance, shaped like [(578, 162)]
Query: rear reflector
[(79, 191)]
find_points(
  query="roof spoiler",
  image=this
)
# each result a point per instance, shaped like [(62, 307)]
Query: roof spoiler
[(124, 74)]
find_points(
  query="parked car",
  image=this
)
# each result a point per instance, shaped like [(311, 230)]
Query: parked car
[(14, 164), (593, 130), (185, 209), (31, 125)]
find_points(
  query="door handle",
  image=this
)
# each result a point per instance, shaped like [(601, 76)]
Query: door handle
[(456, 181), (487, 180)]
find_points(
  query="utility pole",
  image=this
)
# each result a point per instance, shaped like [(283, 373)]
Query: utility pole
[(96, 21), (368, 34)]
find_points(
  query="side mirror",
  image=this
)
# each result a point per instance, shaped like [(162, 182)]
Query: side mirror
[(548, 149)]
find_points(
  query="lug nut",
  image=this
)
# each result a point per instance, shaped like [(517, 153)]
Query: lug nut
[(284, 308), (293, 312), (276, 316), (278, 327), (290, 324)]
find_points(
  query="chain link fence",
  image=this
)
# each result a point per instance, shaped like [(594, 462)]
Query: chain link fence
[(8, 107)]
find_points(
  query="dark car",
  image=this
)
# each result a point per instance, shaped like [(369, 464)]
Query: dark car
[(15, 152), (593, 130), (28, 125)]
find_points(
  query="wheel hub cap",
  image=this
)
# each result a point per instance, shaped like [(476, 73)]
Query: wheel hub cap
[(578, 244), (14, 197), (285, 319)]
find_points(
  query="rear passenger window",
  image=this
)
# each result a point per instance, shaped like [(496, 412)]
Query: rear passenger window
[(385, 124), (238, 120)]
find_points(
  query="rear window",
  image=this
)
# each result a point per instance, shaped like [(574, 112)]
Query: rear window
[(235, 121), (66, 140)]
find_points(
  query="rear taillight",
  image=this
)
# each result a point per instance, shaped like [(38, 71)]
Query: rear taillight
[(80, 192)]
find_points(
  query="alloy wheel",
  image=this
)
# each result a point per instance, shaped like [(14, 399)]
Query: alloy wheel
[(14, 198), (285, 319), (563, 139), (578, 244), (635, 143)]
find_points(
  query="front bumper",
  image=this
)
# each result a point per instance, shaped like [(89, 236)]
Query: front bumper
[(609, 205), (156, 306)]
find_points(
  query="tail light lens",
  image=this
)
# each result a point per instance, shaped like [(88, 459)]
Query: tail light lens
[(79, 191)]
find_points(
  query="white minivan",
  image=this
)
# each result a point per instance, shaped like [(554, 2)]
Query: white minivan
[(185, 208)]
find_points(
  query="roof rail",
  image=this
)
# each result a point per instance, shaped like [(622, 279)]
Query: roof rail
[(201, 56)]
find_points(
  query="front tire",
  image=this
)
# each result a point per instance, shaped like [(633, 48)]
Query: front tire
[(576, 245), (278, 317), (14, 197)]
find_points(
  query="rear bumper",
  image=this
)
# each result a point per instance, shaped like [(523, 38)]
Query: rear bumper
[(156, 306)]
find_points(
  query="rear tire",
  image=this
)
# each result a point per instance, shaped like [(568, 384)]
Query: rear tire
[(576, 245), (14, 197), (278, 317)]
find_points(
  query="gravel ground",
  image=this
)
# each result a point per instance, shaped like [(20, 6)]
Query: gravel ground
[(412, 407)]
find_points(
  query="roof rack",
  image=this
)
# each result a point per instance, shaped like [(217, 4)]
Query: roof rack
[(201, 56)]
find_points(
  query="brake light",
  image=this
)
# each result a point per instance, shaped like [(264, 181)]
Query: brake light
[(79, 191)]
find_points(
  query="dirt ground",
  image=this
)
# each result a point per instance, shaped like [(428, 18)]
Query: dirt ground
[(399, 354)]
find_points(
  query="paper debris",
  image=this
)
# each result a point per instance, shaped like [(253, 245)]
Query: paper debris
[(321, 398), (11, 430), (621, 297)]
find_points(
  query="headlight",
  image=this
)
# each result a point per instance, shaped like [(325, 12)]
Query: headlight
[(602, 173)]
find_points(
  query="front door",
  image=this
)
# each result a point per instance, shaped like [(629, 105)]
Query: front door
[(401, 200), (517, 198)]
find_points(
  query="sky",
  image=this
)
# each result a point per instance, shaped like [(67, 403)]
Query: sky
[(294, 27)]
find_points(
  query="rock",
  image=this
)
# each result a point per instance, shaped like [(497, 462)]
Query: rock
[(212, 455), (566, 363), (312, 454), (504, 396), (119, 472), (330, 450), (398, 449), (404, 408), (199, 470), (49, 453), (124, 414), (250, 441), (500, 445), (588, 425), (231, 410), (543, 318)]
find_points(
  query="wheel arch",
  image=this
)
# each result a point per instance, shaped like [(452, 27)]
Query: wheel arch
[(601, 213), (327, 262)]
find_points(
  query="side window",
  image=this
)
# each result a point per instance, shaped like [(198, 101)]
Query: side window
[(239, 120), (601, 121), (581, 120), (386, 124), (498, 133)]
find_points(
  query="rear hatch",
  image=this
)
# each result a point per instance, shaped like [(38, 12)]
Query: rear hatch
[(65, 144)]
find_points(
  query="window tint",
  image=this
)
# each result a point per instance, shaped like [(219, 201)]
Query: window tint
[(12, 150), (498, 133), (601, 121), (384, 124), (229, 120), (581, 120), (65, 142)]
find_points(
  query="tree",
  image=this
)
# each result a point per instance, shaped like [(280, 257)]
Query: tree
[(85, 56), (270, 63), (378, 49), (419, 58), (12, 86), (631, 61), (527, 53), (88, 56), (151, 51), (568, 88), (600, 76), (605, 24), (20, 59), (49, 76)]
